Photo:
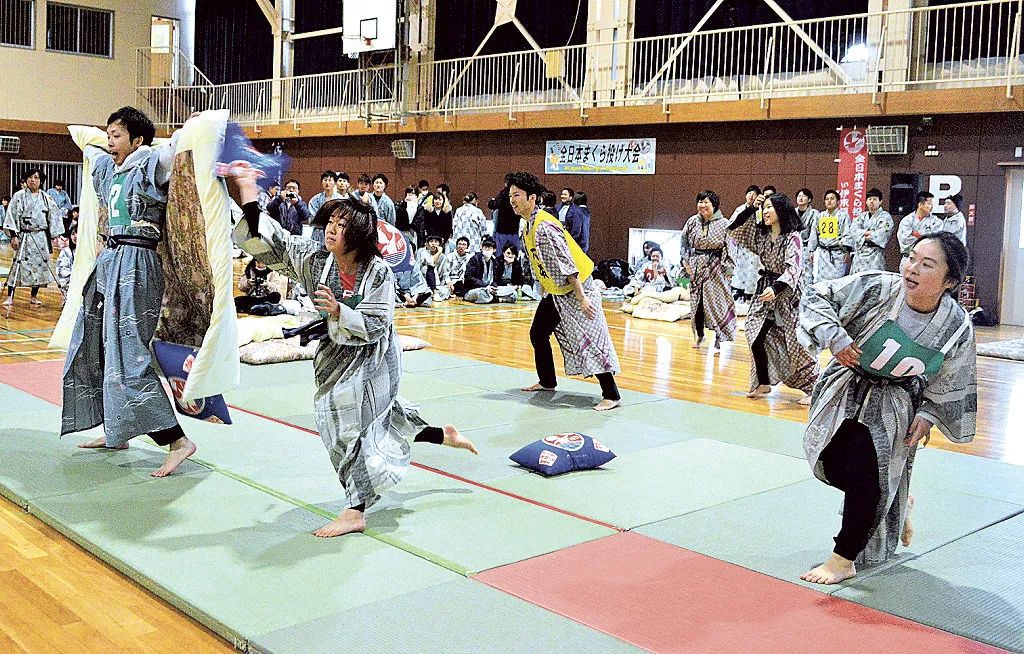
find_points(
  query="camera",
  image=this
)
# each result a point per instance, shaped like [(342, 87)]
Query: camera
[(291, 195)]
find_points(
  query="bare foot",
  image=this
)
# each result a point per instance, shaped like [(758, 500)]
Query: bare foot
[(908, 527), (698, 343), (537, 387), (606, 405), (349, 522), (804, 401), (181, 449), (35, 302), (833, 571), (101, 442), (452, 438), (760, 391)]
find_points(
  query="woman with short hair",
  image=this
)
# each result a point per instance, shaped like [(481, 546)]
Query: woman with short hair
[(705, 255), (904, 361)]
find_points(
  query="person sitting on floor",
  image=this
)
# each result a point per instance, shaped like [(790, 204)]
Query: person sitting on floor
[(453, 269), (654, 275), (484, 274), (646, 259), (411, 289), (261, 285), (428, 260)]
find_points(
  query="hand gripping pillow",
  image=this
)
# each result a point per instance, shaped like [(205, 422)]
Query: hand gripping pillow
[(176, 362), (563, 452)]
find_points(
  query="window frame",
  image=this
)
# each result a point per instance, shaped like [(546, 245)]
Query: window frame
[(31, 30), (78, 32)]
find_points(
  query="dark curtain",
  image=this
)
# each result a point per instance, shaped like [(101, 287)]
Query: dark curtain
[(322, 54), (234, 42), (661, 17), (463, 24)]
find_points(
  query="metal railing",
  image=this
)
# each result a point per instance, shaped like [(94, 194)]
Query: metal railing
[(953, 46)]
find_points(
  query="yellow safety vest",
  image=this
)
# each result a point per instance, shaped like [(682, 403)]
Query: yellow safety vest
[(583, 263)]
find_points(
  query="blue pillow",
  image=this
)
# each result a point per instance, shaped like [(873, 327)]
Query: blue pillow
[(563, 452), (176, 362)]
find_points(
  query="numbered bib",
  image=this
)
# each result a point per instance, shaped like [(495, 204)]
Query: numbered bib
[(890, 353), (828, 227), (117, 201)]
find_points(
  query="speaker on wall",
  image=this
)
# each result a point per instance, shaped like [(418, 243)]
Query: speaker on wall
[(903, 190)]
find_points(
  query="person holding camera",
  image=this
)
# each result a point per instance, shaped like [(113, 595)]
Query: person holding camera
[(288, 208)]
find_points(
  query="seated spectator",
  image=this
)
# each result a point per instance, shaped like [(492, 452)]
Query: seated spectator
[(66, 260), (484, 277), (453, 269), (261, 285), (428, 260), (654, 275), (411, 289), (648, 246)]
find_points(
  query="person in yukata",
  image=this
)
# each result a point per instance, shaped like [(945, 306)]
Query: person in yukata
[(32, 221), (453, 268), (469, 222), (571, 306), (365, 426), (904, 361), (869, 234), (954, 221), (110, 377), (66, 260), (746, 265), (915, 225), (828, 240), (428, 260), (654, 275), (775, 354), (705, 255)]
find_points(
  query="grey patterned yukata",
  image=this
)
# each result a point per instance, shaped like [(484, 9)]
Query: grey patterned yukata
[(831, 250), (34, 219), (849, 310), (705, 248), (745, 263), (365, 426), (869, 250)]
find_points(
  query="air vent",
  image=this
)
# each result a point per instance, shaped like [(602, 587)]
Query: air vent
[(404, 148), (887, 139), (10, 145)]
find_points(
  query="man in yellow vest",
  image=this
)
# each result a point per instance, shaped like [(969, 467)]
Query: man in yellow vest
[(571, 306)]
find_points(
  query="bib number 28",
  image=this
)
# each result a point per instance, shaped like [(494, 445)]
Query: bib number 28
[(828, 227), (905, 367)]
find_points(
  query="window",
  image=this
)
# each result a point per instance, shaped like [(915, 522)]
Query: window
[(79, 30), (69, 173), (17, 26)]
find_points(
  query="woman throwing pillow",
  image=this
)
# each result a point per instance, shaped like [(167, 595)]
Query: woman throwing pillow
[(904, 361)]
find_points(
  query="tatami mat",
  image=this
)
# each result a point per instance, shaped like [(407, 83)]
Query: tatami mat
[(973, 587), (461, 616)]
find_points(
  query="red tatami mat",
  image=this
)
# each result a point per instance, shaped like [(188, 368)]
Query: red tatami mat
[(44, 379), (666, 599)]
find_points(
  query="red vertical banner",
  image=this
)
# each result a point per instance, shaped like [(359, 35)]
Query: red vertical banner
[(853, 170)]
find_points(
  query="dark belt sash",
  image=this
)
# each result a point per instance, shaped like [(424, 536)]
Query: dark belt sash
[(766, 279), (116, 240), (711, 253)]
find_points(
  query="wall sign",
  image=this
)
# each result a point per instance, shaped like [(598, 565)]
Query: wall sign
[(853, 171), (600, 157)]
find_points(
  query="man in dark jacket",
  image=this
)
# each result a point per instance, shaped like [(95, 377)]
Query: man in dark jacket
[(577, 221), (289, 209), (506, 227)]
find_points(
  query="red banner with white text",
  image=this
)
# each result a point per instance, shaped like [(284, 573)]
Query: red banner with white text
[(853, 170)]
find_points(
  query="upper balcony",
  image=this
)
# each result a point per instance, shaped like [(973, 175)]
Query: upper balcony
[(974, 44)]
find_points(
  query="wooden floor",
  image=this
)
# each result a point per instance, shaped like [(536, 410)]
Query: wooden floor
[(52, 593)]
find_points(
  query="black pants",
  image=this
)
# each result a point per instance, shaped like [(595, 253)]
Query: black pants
[(167, 436), (245, 302), (851, 465), (544, 323), (757, 352), (433, 435)]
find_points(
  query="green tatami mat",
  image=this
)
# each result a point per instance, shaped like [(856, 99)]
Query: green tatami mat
[(970, 474), (274, 400), (427, 360), (274, 374), (727, 425), (416, 387), (13, 400), (496, 443), (464, 527), (461, 616), (662, 482), (486, 409), (239, 560), (36, 463), (787, 531), (973, 587)]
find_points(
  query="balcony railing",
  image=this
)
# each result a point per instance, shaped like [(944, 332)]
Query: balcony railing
[(953, 46)]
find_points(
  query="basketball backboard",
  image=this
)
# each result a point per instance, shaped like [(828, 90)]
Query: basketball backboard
[(369, 25)]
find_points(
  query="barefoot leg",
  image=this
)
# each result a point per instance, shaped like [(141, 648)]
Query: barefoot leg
[(908, 527), (452, 438), (833, 571), (350, 521), (606, 405), (181, 449), (101, 443), (537, 387)]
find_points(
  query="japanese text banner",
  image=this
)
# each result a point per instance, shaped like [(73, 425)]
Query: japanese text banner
[(853, 171), (601, 157)]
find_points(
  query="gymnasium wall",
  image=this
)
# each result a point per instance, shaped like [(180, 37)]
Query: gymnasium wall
[(724, 157), (66, 88)]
